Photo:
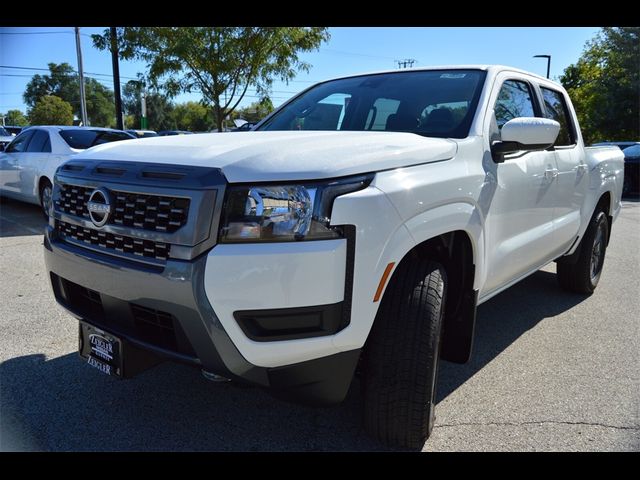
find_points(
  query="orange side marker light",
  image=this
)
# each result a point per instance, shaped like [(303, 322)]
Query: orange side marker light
[(383, 281)]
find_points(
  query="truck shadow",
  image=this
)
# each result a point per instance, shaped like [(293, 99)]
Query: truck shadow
[(19, 219), (61, 404), (503, 319)]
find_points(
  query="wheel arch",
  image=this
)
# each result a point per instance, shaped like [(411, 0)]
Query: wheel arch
[(453, 236), (41, 181)]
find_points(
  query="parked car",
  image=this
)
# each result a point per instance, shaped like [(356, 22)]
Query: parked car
[(245, 127), (164, 133), (5, 138), (14, 130), (631, 169), (359, 225), (620, 145), (142, 133), (28, 163), (630, 164)]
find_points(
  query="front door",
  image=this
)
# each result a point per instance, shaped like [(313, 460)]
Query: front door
[(33, 163), (519, 223), (11, 165)]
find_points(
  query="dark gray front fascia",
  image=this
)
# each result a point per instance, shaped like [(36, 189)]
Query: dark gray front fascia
[(178, 290)]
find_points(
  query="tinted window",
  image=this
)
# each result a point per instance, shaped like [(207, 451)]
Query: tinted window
[(556, 109), (514, 100), (4, 133), (20, 143), (81, 139), (438, 103), (39, 142)]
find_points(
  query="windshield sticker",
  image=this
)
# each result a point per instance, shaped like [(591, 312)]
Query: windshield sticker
[(453, 75)]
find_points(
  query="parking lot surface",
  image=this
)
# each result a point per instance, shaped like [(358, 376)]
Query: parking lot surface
[(550, 371)]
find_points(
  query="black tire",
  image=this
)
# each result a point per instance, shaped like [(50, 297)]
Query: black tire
[(400, 364), (45, 197), (584, 275)]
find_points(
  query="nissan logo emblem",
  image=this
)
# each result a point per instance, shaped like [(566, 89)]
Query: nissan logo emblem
[(99, 206)]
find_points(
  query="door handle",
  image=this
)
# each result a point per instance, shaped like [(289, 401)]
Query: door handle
[(550, 173), (581, 167)]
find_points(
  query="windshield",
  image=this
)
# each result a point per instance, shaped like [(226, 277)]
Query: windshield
[(434, 103), (4, 133)]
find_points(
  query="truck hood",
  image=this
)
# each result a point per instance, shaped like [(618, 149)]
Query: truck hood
[(282, 156)]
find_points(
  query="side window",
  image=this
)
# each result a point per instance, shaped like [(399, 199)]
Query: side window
[(20, 143), (327, 114), (39, 142), (514, 100), (556, 109), (380, 112)]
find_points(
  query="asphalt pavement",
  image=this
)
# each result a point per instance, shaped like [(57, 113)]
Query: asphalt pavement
[(550, 371)]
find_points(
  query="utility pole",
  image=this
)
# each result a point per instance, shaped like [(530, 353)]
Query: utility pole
[(406, 63), (83, 101), (116, 76), (548, 57)]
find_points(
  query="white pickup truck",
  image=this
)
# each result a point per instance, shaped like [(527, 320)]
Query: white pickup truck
[(355, 229)]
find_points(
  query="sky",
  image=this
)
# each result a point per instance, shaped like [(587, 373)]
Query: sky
[(350, 50)]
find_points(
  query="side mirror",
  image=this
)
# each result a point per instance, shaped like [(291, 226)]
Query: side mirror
[(525, 134)]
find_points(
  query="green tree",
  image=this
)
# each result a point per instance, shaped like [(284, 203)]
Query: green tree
[(51, 110), (604, 85), (159, 107), (63, 82), (256, 111), (15, 117), (192, 116), (219, 62)]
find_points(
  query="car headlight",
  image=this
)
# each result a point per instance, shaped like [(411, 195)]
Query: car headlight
[(284, 212)]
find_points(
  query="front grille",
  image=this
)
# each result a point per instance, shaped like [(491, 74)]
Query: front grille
[(148, 212), (73, 200), (114, 243)]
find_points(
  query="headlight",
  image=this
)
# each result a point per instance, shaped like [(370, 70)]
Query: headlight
[(285, 212)]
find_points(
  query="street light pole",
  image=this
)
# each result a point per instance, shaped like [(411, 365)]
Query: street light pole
[(548, 57), (143, 109), (83, 101)]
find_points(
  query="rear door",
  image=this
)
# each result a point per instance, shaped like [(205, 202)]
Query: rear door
[(519, 223), (33, 163), (572, 170), (11, 165)]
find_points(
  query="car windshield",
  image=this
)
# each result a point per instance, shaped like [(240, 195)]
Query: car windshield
[(86, 138), (4, 133), (434, 103)]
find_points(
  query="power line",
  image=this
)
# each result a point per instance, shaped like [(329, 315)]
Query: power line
[(74, 71), (31, 33)]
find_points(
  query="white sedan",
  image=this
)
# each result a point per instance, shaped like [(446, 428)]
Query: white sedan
[(29, 162)]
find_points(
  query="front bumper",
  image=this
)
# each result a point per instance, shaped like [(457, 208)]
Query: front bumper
[(179, 321)]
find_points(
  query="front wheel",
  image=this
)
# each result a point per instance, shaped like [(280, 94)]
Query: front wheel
[(400, 363), (584, 275), (46, 194)]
